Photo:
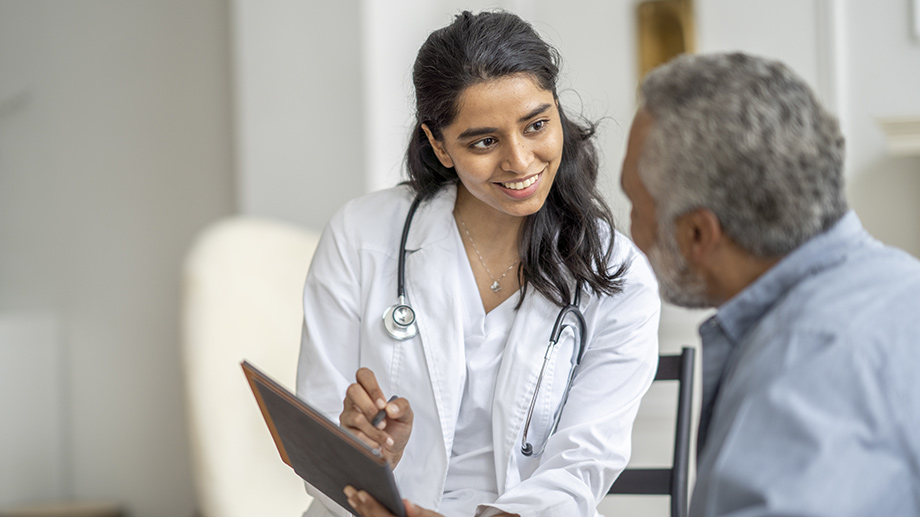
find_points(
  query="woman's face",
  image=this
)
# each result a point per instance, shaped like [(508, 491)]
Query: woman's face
[(505, 144)]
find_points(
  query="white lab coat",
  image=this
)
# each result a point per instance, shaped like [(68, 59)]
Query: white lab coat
[(352, 280)]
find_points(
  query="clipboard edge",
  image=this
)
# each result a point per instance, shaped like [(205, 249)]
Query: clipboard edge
[(252, 372)]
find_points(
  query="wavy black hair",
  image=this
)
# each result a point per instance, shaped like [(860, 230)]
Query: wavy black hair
[(569, 241)]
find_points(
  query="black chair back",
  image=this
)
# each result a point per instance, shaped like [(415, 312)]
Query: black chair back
[(673, 481)]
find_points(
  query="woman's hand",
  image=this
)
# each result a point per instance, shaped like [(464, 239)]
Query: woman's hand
[(367, 506), (363, 400)]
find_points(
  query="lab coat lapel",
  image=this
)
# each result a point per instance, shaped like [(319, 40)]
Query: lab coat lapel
[(517, 378), (431, 251)]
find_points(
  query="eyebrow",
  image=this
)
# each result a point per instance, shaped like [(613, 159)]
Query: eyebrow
[(479, 131)]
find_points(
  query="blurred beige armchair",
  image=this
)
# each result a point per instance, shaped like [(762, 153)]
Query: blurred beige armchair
[(243, 281)]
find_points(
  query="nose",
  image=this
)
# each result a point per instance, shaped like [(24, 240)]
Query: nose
[(518, 156)]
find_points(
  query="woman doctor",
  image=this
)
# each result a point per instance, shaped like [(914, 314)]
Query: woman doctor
[(509, 230)]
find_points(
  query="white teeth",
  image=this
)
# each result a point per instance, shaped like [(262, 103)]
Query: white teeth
[(521, 185)]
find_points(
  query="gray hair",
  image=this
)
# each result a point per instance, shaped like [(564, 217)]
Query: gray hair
[(745, 138)]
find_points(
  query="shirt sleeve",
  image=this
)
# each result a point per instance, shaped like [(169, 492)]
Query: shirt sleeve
[(330, 304), (593, 442), (330, 300)]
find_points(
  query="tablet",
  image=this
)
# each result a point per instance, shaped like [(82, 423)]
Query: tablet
[(322, 453)]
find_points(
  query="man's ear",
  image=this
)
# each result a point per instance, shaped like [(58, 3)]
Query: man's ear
[(438, 147), (699, 235)]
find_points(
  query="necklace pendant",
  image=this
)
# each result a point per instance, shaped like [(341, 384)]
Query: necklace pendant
[(495, 287)]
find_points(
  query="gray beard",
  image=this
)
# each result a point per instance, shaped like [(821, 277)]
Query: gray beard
[(677, 283)]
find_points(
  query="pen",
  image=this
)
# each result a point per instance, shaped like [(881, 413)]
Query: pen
[(382, 413)]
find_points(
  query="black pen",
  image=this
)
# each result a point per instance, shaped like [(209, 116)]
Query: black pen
[(382, 413)]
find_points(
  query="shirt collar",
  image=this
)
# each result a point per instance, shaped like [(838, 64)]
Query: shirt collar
[(824, 250)]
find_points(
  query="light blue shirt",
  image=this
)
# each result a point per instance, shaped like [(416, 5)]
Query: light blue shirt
[(811, 397)]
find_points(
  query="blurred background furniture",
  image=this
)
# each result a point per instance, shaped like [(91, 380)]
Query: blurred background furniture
[(66, 509), (243, 281)]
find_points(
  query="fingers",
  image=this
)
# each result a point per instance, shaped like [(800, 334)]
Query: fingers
[(361, 428), (400, 410), (363, 400), (368, 381), (365, 504), (365, 395), (412, 510), (418, 511), (378, 441), (358, 401)]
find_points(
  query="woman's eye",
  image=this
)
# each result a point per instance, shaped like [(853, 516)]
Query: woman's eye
[(537, 126), (485, 143)]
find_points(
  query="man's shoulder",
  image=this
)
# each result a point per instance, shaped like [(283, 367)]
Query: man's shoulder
[(856, 321), (861, 311), (874, 282)]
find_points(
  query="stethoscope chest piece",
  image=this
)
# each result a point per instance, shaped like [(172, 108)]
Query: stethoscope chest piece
[(399, 320)]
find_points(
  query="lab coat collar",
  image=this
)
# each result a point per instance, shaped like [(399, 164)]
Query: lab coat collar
[(433, 221)]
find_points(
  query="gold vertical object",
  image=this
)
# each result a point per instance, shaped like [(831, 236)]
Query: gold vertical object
[(665, 30)]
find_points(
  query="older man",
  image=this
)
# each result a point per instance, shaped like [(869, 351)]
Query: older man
[(811, 398)]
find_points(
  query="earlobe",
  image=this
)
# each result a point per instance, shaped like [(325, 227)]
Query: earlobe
[(438, 147)]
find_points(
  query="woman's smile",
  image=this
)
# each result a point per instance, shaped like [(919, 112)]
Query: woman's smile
[(523, 188)]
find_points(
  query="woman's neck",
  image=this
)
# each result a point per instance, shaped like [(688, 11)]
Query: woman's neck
[(490, 239), (495, 233)]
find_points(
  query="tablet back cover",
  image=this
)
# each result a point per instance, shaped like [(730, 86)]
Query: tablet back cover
[(319, 451)]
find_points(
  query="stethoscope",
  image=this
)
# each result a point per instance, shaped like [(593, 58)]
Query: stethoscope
[(399, 321)]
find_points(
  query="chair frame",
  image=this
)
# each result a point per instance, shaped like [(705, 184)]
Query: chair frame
[(672, 481)]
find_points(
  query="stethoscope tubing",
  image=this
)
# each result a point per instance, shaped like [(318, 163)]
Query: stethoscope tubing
[(399, 319), (401, 267), (577, 354)]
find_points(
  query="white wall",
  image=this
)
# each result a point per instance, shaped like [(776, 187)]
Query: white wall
[(298, 83), (883, 80), (387, 60), (115, 150)]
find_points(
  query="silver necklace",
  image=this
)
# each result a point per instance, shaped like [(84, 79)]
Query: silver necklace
[(495, 287)]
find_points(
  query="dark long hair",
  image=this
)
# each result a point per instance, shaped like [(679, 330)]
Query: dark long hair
[(570, 239)]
